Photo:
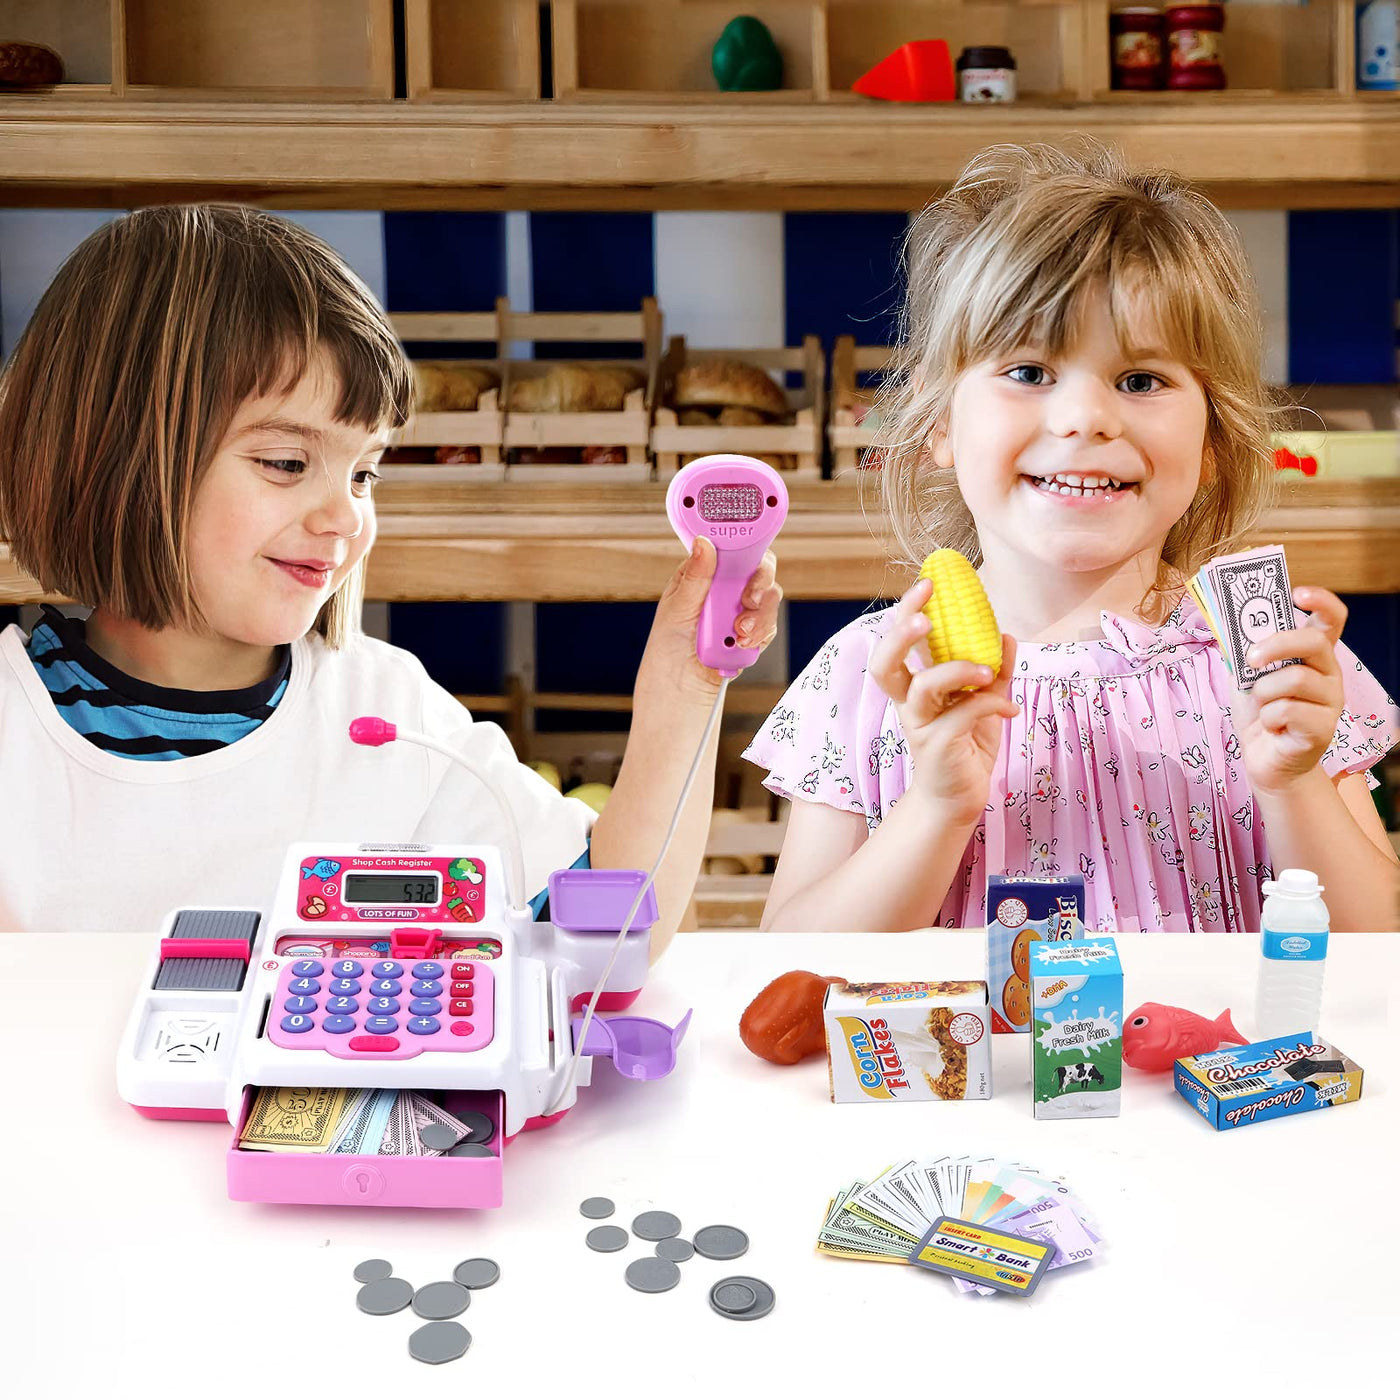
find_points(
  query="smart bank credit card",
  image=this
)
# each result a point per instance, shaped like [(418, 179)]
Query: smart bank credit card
[(981, 1255)]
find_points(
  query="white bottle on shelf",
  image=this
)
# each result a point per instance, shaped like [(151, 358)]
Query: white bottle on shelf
[(1293, 955)]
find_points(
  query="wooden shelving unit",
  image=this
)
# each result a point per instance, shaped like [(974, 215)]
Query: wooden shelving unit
[(290, 103), (444, 542)]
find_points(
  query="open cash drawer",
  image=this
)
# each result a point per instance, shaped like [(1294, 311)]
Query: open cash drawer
[(338, 1179)]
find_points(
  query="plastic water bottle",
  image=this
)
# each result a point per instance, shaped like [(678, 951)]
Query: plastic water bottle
[(1294, 955)]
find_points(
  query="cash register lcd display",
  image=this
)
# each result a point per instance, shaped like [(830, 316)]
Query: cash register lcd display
[(392, 889)]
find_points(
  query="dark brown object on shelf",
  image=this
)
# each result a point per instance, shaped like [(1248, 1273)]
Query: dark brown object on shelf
[(1196, 51), (1139, 63), (26, 65)]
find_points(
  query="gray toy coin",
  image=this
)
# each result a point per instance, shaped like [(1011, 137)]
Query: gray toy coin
[(470, 1149), (720, 1242), (479, 1126), (384, 1296), (656, 1225), (677, 1251), (741, 1298), (372, 1270), (437, 1342), (649, 1275), (440, 1300), (597, 1208), (477, 1273), (607, 1239), (438, 1136)]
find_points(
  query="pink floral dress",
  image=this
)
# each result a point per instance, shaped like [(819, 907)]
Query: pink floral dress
[(1123, 767)]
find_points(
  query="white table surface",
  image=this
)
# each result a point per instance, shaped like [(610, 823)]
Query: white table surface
[(1235, 1260)]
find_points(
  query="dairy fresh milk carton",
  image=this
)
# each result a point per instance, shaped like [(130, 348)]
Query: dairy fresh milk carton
[(900, 1041), (1076, 1029)]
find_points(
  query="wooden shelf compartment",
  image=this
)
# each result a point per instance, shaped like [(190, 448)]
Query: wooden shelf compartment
[(1269, 50), (644, 50), (78, 31), (1046, 38), (306, 50), (472, 50)]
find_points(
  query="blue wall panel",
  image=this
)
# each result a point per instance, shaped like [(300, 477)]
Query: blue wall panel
[(1343, 283)]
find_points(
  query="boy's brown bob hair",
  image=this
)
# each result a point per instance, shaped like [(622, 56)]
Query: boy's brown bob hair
[(128, 376)]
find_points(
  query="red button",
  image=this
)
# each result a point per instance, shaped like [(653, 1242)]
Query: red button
[(374, 1042), (463, 989), (463, 970), (461, 1028), (460, 1008)]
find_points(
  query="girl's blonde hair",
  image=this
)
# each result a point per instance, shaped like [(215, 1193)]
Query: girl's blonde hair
[(1008, 257), (130, 372)]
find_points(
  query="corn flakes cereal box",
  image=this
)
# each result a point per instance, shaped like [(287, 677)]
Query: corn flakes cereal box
[(1021, 912), (1076, 1029), (1288, 1074), (893, 1042)]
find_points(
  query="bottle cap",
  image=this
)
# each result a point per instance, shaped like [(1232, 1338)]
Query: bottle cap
[(1294, 884)]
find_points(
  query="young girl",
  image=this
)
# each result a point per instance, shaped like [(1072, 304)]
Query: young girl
[(1078, 409), (189, 431)]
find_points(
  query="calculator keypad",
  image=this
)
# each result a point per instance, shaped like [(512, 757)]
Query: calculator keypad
[(385, 1010)]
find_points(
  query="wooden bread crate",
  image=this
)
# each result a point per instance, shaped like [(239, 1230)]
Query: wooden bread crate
[(306, 50), (481, 429), (795, 448), (578, 435), (851, 430), (472, 50), (642, 50)]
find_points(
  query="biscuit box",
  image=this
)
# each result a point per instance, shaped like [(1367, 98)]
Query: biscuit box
[(1269, 1079), (907, 1041), (1076, 1029), (1021, 912)]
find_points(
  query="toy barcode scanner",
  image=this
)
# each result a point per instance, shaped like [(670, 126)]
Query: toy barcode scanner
[(740, 503)]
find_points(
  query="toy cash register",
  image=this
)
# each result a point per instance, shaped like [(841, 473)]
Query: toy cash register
[(391, 966), (421, 968)]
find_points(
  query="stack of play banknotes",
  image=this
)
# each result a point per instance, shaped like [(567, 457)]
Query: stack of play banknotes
[(1245, 598), (886, 1219), (383, 1122)]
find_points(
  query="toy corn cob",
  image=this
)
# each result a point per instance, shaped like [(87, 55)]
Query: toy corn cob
[(962, 624)]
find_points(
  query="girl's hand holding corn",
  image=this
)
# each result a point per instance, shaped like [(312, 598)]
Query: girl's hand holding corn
[(952, 713)]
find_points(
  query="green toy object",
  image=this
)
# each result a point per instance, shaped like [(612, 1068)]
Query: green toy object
[(745, 58)]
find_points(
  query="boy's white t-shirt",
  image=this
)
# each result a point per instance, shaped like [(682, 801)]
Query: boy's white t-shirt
[(92, 841)]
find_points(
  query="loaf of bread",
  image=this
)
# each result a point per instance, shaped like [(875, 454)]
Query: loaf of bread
[(729, 384), (449, 386), (26, 65), (568, 388)]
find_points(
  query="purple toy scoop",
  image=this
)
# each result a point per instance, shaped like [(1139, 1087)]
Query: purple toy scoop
[(638, 1047)]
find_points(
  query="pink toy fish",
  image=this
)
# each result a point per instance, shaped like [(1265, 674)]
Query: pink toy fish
[(1156, 1035)]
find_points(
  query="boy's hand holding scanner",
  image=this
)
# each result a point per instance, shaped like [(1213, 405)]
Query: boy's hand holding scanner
[(739, 504)]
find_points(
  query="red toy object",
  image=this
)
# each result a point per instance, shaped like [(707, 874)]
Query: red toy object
[(783, 1023), (920, 71), (1284, 460), (1156, 1036)]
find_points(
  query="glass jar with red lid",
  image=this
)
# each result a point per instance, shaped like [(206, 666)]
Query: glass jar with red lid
[(1196, 57), (1136, 33)]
